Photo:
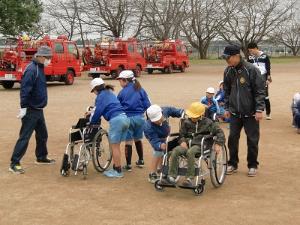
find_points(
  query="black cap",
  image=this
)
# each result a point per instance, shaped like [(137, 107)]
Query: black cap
[(230, 50)]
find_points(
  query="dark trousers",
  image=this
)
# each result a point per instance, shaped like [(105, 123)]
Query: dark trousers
[(267, 102), (251, 127), (33, 121), (297, 120)]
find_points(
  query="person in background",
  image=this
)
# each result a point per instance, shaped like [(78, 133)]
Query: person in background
[(296, 111), (261, 60)]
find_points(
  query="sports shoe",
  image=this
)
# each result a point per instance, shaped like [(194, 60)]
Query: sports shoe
[(127, 168), (152, 178), (268, 117), (187, 183), (140, 163), (231, 170), (45, 161), (113, 174), (171, 180), (252, 172), (16, 169)]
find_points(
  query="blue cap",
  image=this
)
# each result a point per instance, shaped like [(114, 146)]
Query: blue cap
[(231, 50)]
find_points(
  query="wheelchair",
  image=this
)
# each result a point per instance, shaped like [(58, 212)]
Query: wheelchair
[(86, 142), (208, 162)]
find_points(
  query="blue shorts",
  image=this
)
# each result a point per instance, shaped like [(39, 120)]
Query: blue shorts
[(158, 154), (136, 128), (118, 128)]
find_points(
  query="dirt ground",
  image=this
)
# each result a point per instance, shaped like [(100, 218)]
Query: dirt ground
[(41, 196)]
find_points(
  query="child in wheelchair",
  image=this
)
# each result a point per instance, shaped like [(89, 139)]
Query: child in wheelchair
[(192, 132)]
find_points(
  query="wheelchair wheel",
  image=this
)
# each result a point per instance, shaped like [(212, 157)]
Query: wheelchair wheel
[(199, 189), (65, 167), (101, 151), (157, 186), (218, 164)]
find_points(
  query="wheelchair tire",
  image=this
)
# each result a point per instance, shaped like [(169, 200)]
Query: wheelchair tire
[(101, 151), (199, 189), (157, 186), (65, 167), (218, 167)]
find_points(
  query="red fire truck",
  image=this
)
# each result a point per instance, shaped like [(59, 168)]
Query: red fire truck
[(64, 66), (111, 57), (166, 56)]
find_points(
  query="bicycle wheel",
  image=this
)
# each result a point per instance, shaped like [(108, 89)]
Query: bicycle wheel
[(101, 151), (218, 164)]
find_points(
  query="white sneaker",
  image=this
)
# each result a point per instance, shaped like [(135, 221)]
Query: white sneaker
[(268, 117)]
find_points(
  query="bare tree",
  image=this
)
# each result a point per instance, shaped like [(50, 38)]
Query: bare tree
[(201, 24), (163, 18), (115, 17), (252, 20)]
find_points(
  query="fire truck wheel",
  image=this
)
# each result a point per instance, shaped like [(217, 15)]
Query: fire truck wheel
[(182, 68), (137, 71), (8, 84), (69, 77), (114, 74), (150, 71), (168, 69)]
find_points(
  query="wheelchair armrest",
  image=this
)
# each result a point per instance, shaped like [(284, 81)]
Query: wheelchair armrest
[(174, 134)]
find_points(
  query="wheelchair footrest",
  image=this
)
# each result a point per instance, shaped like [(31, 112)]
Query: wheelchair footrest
[(166, 184)]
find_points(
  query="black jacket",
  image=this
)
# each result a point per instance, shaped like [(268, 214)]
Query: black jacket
[(244, 89)]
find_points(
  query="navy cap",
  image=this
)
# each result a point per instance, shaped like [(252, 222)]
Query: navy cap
[(231, 50)]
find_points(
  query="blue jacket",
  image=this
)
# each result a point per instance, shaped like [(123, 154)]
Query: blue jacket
[(212, 104), (33, 93), (134, 102), (156, 134), (106, 105), (220, 96)]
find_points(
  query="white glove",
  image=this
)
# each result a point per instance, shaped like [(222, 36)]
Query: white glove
[(22, 113)]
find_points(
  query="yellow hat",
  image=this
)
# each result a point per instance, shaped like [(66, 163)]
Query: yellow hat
[(195, 110)]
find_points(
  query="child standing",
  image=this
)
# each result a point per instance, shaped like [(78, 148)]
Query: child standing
[(156, 130), (135, 102), (108, 106), (211, 103)]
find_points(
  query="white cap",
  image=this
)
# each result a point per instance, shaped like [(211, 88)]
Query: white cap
[(96, 82), (126, 74), (210, 90), (154, 113), (221, 82)]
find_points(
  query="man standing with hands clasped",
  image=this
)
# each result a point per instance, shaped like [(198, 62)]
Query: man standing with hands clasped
[(244, 90), (34, 98)]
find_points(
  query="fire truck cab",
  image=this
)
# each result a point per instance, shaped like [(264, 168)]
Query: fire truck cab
[(65, 63), (166, 56), (110, 57)]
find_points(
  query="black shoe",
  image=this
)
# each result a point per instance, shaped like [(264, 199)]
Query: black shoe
[(127, 168), (16, 169), (45, 161), (140, 163)]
